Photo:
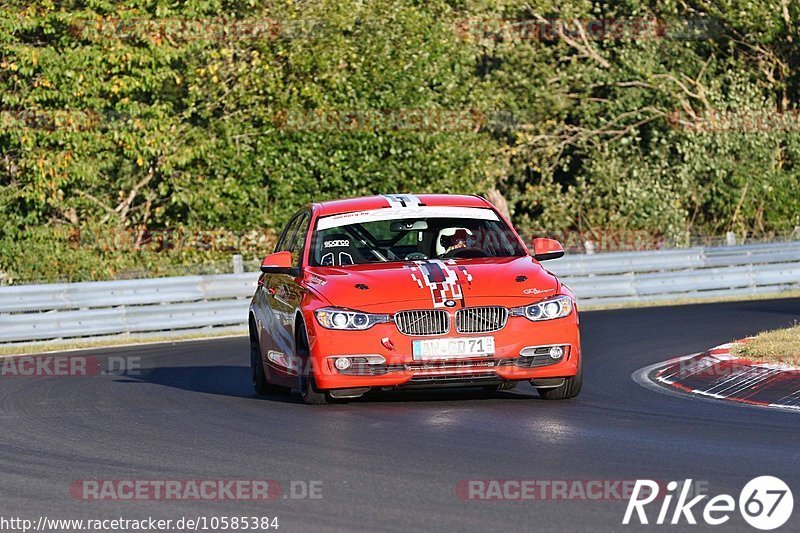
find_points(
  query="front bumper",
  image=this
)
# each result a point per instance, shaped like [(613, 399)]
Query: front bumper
[(383, 342)]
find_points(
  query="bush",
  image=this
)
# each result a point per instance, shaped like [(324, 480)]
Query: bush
[(184, 117)]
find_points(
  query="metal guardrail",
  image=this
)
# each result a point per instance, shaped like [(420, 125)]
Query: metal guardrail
[(65, 310), (696, 273)]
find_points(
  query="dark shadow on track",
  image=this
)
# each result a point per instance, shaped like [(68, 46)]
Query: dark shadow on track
[(234, 381), (223, 380)]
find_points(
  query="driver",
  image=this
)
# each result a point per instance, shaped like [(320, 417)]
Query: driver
[(459, 239)]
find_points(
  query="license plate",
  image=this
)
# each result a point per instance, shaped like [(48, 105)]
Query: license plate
[(447, 348)]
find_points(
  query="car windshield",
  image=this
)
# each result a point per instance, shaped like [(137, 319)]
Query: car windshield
[(413, 235)]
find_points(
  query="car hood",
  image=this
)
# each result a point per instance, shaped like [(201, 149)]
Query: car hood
[(380, 287)]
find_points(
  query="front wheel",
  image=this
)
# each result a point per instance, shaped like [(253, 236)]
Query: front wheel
[(305, 381), (569, 389), (309, 392)]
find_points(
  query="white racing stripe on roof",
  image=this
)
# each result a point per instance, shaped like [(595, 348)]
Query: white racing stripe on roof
[(402, 200), (344, 219)]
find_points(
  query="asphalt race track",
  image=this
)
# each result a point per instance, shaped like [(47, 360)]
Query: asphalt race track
[(392, 461)]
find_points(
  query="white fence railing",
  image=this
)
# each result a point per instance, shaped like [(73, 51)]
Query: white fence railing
[(64, 310)]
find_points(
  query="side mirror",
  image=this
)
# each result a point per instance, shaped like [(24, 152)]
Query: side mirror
[(544, 249), (279, 263)]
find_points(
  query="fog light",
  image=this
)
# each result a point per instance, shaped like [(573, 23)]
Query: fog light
[(342, 363), (556, 352)]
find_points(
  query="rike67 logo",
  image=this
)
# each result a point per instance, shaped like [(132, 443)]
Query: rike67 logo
[(765, 503)]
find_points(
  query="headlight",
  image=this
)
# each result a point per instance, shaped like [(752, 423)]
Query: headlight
[(557, 307), (334, 318)]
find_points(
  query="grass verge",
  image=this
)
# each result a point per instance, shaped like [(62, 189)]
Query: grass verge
[(775, 346)]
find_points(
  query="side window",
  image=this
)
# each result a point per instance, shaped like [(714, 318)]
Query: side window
[(298, 242), (288, 234)]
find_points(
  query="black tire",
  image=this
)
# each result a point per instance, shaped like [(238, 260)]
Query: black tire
[(260, 384), (309, 392), (569, 389), (305, 381), (506, 385)]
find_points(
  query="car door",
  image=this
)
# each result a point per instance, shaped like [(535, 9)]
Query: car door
[(283, 292), (269, 323)]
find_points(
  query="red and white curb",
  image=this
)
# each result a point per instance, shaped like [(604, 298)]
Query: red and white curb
[(720, 375)]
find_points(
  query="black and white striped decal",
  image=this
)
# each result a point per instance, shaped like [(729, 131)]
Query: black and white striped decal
[(402, 200), (443, 278)]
